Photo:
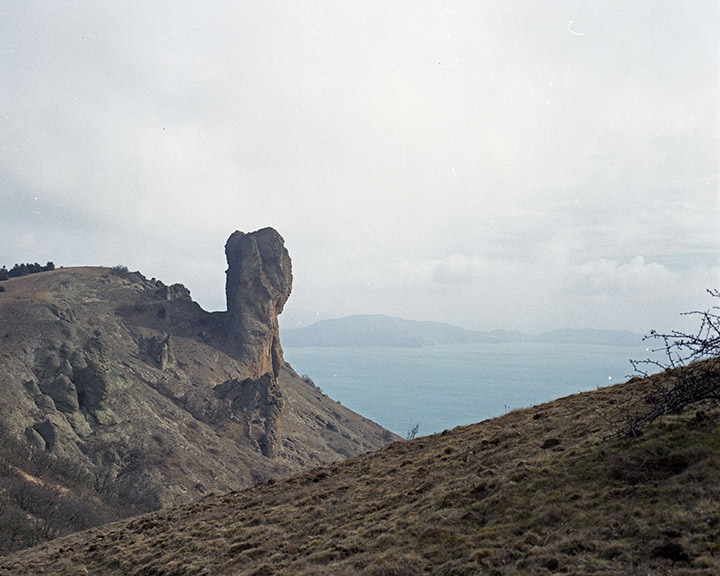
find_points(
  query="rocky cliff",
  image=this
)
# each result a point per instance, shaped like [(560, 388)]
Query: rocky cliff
[(122, 393), (259, 280)]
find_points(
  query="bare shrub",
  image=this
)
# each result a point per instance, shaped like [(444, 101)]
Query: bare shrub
[(691, 370), (120, 270), (412, 431)]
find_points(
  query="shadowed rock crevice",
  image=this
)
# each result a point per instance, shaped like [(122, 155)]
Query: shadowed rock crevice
[(157, 350)]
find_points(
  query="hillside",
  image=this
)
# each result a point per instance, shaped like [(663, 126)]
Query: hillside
[(120, 395), (380, 330), (536, 491)]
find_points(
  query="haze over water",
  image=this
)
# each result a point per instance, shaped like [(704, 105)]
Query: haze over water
[(443, 386)]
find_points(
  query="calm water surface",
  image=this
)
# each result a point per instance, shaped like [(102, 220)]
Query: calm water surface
[(444, 386)]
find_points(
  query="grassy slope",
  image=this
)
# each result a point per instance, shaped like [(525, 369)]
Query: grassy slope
[(532, 492)]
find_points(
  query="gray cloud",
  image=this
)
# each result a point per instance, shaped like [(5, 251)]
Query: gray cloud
[(471, 162)]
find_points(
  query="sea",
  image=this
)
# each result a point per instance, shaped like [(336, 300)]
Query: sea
[(436, 388)]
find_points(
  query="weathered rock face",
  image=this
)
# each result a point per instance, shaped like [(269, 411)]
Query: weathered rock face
[(119, 394), (259, 280), (258, 402)]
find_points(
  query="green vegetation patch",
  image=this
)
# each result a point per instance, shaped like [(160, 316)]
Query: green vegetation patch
[(24, 269)]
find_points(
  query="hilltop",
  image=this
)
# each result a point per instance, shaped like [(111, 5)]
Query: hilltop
[(120, 394), (537, 491)]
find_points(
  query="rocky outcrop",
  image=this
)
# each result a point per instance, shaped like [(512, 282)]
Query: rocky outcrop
[(259, 280), (257, 402), (119, 394), (157, 350)]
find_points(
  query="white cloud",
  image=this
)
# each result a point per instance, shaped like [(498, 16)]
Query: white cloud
[(609, 277), (458, 269), (479, 164)]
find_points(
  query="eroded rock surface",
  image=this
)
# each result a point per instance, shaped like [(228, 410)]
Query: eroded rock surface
[(119, 394), (259, 280)]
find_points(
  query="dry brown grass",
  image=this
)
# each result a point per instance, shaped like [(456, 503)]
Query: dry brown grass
[(534, 492)]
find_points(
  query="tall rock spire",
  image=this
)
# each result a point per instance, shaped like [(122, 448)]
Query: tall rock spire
[(259, 280)]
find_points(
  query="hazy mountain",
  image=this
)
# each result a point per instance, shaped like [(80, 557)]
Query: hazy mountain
[(379, 330), (537, 491)]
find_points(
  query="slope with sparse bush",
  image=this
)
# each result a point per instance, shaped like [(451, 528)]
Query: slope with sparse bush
[(536, 491)]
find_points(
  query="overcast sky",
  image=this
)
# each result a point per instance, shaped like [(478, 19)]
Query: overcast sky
[(520, 165)]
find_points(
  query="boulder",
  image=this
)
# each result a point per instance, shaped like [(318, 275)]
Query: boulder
[(63, 392)]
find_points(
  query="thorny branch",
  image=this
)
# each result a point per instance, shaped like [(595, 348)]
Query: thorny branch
[(691, 370)]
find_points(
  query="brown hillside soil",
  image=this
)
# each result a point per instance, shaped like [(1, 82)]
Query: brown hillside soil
[(534, 492)]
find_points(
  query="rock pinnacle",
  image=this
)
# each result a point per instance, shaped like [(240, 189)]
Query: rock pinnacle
[(259, 281)]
